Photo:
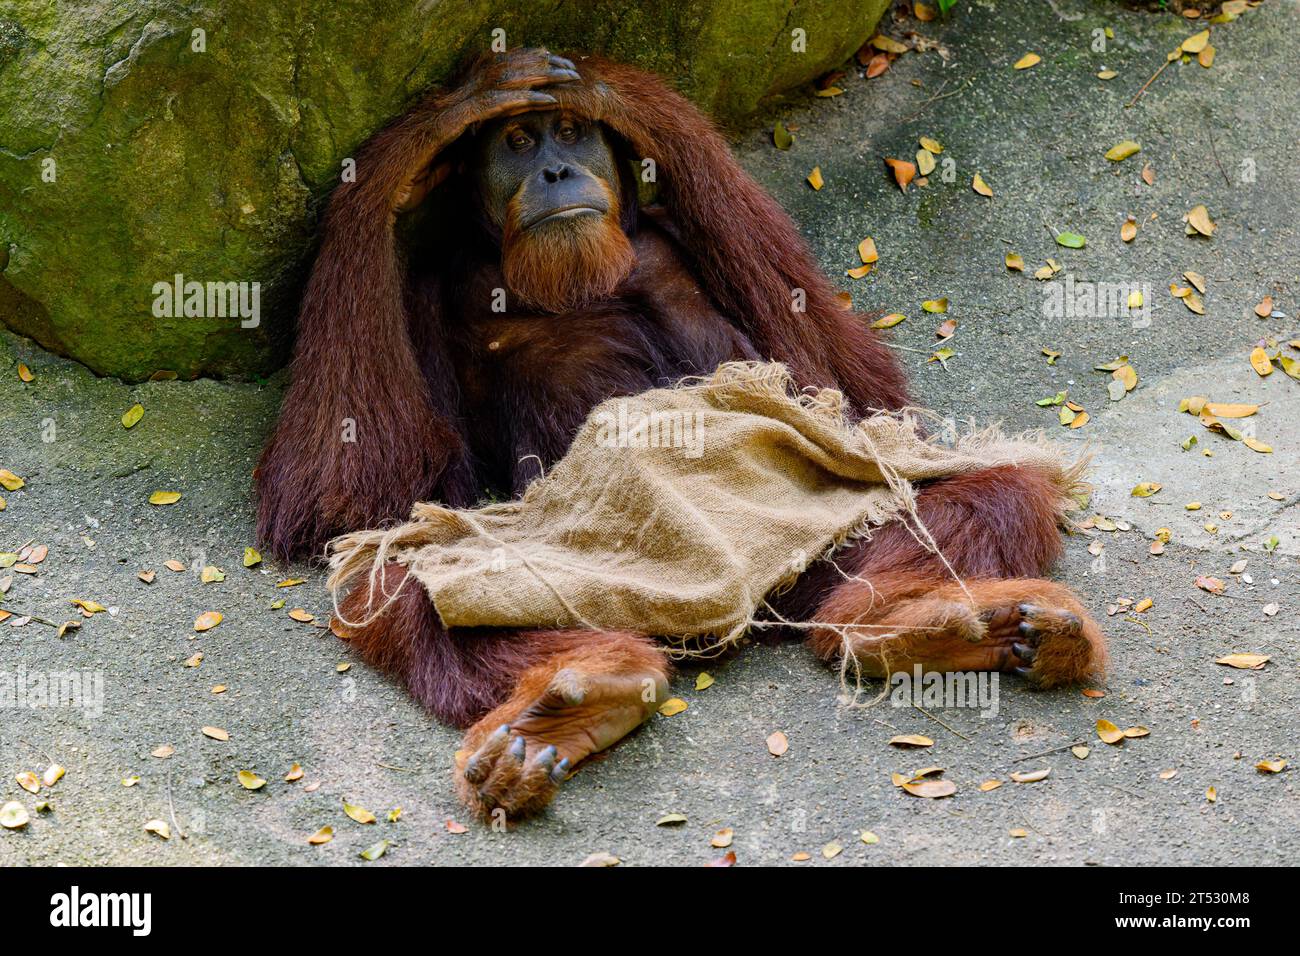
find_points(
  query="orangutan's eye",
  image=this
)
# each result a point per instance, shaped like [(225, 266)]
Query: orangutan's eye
[(567, 133), (519, 141)]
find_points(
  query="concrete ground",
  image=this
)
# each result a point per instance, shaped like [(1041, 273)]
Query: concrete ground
[(1037, 136)]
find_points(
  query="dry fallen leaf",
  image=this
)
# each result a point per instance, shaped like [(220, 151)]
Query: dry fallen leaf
[(208, 620), (164, 497), (911, 740), (980, 186), (722, 839), (249, 780), (1198, 219), (159, 828), (321, 836), (931, 789), (1028, 60), (777, 743), (216, 733), (815, 178), (904, 172), (302, 615), (1030, 776), (672, 707), (1251, 662), (358, 813), (1108, 732)]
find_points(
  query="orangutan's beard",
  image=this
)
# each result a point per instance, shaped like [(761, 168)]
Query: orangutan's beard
[(567, 263)]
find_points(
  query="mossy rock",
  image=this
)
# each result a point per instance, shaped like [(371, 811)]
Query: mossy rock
[(209, 159)]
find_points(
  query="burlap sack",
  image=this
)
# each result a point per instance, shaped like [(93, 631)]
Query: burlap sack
[(677, 511)]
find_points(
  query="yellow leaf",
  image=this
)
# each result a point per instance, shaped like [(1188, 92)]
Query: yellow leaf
[(28, 781), (1018, 832), (703, 680), (1211, 794), (1260, 363), (867, 250), (1146, 489), (321, 836), (672, 706), (980, 186), (1254, 444), (988, 785), (1122, 151), (1015, 261), (831, 850), (859, 272), (211, 574), (888, 321), (164, 497), (1230, 410), (931, 145), (291, 582), (815, 178), (1108, 732), (132, 415), (1128, 232), (208, 620), (671, 819), (1080, 420), (25, 373), (911, 740), (1271, 766), (1143, 606), (1028, 60), (1107, 75), (1137, 732), (925, 161), (1197, 42), (302, 615), (53, 774), (935, 305), (358, 813), (888, 44), (9, 481), (250, 781), (251, 557)]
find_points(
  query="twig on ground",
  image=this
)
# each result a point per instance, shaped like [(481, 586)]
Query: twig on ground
[(1054, 750), (941, 723)]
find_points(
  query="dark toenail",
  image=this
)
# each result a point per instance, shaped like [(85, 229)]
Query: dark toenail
[(1027, 629), (475, 770), (560, 771), (1027, 609), (1024, 652), (1025, 672), (518, 748)]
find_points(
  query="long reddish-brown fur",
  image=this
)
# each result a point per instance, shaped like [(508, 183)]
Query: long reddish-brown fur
[(451, 401)]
